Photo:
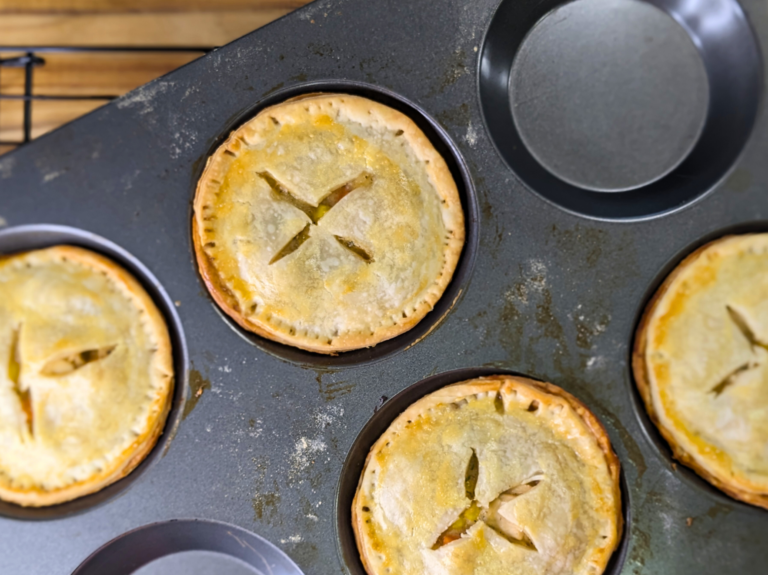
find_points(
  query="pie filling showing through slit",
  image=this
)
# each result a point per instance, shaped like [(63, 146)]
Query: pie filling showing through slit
[(315, 213), (490, 515)]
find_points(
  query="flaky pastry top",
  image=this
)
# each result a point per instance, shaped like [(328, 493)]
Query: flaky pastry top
[(85, 374), (701, 363), (493, 476), (328, 222)]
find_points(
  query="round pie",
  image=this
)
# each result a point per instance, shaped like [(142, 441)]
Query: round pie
[(327, 222), (86, 376), (701, 364), (499, 475)]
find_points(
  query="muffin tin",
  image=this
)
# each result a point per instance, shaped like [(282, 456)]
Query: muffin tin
[(259, 433)]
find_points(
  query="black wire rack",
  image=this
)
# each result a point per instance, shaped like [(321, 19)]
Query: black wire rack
[(31, 60)]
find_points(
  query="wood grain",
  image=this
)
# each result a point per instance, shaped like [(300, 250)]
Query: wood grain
[(201, 23), (133, 29), (82, 6)]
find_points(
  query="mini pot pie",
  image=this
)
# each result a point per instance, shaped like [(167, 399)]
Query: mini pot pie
[(86, 376), (497, 475), (701, 364), (327, 222)]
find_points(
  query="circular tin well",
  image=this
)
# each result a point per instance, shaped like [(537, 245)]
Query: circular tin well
[(378, 424), (188, 547), (654, 99), (448, 150), (37, 236), (650, 431)]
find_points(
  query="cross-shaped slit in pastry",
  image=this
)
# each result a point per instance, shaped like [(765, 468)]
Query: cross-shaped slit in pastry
[(316, 213), (55, 367), (14, 374), (490, 516), (741, 324)]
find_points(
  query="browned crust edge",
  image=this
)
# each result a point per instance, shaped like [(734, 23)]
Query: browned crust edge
[(139, 449), (593, 424), (642, 381), (444, 184)]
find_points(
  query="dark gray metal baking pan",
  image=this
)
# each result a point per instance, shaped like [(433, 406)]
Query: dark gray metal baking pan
[(188, 547), (263, 437)]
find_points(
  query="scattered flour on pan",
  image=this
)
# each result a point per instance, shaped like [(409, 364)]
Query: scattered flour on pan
[(304, 453), (534, 280), (325, 418), (308, 449), (6, 167), (596, 362), (142, 97), (50, 176), (292, 539), (183, 141), (471, 136)]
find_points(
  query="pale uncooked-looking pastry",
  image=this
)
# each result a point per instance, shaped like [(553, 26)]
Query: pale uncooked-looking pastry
[(498, 475), (327, 222), (701, 364), (86, 375)]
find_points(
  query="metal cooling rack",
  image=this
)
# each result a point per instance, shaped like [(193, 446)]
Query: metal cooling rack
[(31, 60)]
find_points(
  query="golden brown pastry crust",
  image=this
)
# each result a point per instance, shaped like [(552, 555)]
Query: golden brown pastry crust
[(160, 368), (729, 481), (514, 390), (267, 318)]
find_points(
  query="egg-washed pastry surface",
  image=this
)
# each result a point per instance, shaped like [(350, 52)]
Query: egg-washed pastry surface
[(86, 375), (498, 475), (327, 222), (701, 364)]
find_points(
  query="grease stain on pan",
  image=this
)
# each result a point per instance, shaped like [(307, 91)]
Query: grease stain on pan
[(197, 385), (265, 505), (455, 67), (305, 552), (641, 549), (530, 290), (273, 89), (529, 315), (493, 238), (333, 389), (265, 500), (586, 329), (717, 510), (583, 242), (589, 245), (455, 116)]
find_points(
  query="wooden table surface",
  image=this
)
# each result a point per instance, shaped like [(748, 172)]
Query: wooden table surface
[(202, 23)]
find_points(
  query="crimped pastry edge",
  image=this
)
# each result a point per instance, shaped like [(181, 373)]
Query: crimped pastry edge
[(163, 359), (456, 391), (442, 181), (643, 384)]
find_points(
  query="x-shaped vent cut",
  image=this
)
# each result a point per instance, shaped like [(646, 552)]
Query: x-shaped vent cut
[(315, 214), (58, 366), (741, 324), (490, 515)]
